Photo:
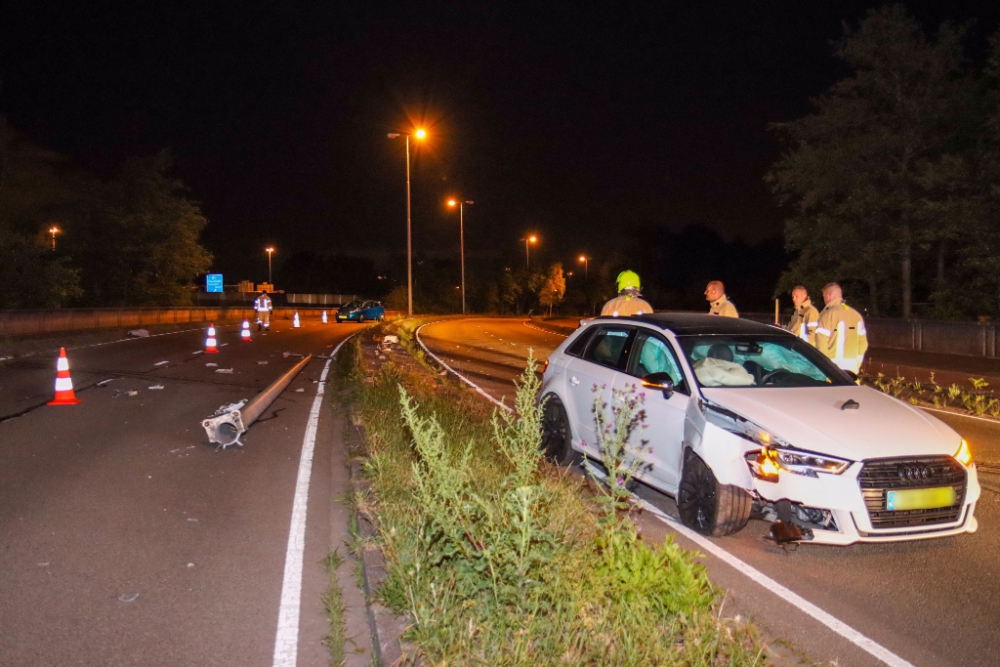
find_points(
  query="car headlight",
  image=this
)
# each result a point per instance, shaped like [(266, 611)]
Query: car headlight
[(964, 454), (769, 461)]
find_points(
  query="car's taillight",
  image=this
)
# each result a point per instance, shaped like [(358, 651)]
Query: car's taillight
[(546, 366)]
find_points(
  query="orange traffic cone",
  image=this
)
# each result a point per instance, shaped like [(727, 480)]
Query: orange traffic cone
[(210, 341), (295, 321), (245, 333), (64, 384)]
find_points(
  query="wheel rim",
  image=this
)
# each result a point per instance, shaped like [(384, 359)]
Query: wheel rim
[(696, 498), (555, 429)]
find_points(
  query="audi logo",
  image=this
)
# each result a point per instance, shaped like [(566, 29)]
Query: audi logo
[(914, 473)]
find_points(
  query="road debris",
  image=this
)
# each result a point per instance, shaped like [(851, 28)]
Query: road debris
[(138, 333), (161, 363), (299, 390), (128, 597), (192, 520), (124, 392), (223, 370), (196, 352), (104, 382), (211, 364), (156, 386), (291, 354), (261, 363)]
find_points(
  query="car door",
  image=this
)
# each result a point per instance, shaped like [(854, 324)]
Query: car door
[(593, 374), (665, 417)]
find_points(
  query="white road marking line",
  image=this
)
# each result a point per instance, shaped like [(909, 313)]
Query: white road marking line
[(959, 414), (532, 326), (125, 340), (847, 632), (459, 375), (286, 643)]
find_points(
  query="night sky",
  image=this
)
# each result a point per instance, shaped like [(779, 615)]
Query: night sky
[(578, 121)]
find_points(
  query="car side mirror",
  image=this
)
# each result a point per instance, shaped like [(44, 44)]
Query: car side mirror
[(854, 376), (661, 381)]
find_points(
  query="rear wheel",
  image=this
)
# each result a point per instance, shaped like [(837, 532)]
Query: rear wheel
[(707, 506), (556, 433)]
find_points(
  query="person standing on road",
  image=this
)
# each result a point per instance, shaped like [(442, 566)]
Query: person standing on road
[(262, 305), (629, 301), (841, 334), (805, 319), (719, 303)]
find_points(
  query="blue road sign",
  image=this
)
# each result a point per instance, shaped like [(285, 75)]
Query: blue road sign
[(213, 282)]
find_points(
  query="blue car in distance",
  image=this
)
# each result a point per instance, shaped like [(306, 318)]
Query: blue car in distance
[(361, 311)]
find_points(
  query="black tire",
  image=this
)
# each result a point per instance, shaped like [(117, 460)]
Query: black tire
[(556, 433), (361, 319), (705, 505)]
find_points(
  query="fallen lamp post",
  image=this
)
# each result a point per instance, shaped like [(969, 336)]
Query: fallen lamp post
[(231, 421)]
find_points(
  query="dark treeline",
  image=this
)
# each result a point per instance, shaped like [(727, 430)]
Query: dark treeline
[(892, 180), (127, 239)]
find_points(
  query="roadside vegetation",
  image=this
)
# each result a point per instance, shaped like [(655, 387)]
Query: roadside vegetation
[(980, 401), (498, 558)]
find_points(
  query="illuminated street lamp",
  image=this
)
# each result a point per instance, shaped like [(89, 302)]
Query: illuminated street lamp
[(461, 236), (269, 250), (586, 267), (53, 230), (420, 134), (527, 257)]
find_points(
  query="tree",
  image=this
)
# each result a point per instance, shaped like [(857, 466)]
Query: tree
[(554, 287), (870, 170), (138, 244)]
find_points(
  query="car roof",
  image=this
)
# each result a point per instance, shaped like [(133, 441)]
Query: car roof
[(684, 324)]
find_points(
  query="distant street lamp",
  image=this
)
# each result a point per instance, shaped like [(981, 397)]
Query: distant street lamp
[(420, 134), (461, 237), (269, 250), (527, 255), (586, 267), (53, 230)]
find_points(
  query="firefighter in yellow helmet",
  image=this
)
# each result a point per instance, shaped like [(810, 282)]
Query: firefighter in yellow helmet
[(629, 301), (805, 319), (841, 334), (719, 303)]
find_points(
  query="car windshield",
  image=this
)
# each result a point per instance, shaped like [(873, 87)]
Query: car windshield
[(758, 361), (352, 305)]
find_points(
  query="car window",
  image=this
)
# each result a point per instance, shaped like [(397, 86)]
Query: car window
[(608, 346), (654, 355), (758, 361), (580, 344)]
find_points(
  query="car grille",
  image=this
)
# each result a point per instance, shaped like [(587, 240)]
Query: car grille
[(882, 475)]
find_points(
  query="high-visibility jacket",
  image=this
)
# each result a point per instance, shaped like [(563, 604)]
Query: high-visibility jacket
[(723, 307), (624, 305), (805, 319), (262, 304), (841, 335)]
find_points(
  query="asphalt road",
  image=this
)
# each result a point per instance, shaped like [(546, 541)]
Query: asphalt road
[(125, 539), (933, 603)]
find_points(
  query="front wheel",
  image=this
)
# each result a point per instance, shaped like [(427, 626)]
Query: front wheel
[(707, 506), (361, 319), (556, 433)]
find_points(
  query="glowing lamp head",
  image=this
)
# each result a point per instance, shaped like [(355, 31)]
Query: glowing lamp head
[(582, 259), (452, 202), (420, 134), (533, 238), (53, 230)]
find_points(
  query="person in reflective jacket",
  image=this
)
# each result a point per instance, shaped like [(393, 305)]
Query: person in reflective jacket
[(262, 305), (629, 300), (719, 303), (841, 334), (805, 319)]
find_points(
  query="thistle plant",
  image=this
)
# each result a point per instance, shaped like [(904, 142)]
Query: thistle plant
[(621, 460)]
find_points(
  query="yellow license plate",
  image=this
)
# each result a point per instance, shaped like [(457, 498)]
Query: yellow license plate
[(920, 499)]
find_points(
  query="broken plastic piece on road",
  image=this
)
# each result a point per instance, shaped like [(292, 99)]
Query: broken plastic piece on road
[(299, 390), (211, 364), (156, 386), (198, 352), (223, 370), (291, 354), (125, 392), (161, 363), (261, 363), (138, 333), (104, 382), (128, 597)]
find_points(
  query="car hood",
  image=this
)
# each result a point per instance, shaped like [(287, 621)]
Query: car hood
[(811, 418)]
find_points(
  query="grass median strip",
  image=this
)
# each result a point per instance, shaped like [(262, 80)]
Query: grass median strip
[(499, 558)]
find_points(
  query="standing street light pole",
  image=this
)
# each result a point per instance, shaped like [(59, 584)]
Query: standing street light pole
[(269, 250), (527, 256), (461, 238), (419, 134), (53, 230)]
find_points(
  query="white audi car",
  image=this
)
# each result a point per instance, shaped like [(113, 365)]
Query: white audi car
[(746, 418)]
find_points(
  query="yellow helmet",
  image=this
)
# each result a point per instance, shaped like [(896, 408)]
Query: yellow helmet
[(628, 279)]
